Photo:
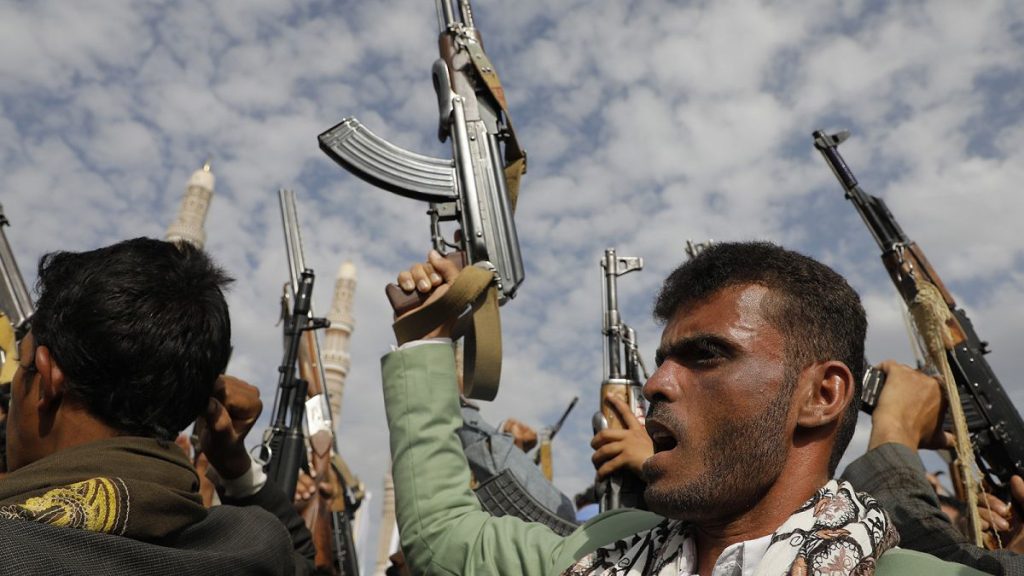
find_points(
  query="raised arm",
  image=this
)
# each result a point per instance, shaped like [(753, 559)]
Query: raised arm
[(442, 527)]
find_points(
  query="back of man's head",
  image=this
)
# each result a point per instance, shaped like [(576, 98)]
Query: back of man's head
[(140, 330), (816, 310)]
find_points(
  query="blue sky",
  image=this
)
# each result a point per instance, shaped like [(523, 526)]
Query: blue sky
[(647, 124)]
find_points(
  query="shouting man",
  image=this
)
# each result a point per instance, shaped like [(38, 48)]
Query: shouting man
[(751, 409)]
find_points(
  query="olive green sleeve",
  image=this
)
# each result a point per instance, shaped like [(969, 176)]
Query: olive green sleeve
[(443, 529)]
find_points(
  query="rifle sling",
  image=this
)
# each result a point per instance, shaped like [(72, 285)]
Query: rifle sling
[(485, 71), (513, 173), (473, 288)]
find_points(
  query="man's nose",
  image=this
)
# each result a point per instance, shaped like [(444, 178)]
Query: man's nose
[(664, 383)]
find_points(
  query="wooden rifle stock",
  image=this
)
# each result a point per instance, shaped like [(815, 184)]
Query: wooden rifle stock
[(908, 263), (317, 514), (324, 512)]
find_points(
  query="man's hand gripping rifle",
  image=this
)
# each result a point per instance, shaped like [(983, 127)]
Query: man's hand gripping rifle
[(984, 414), (477, 189), (624, 377)]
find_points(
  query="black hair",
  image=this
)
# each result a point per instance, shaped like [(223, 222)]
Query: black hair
[(140, 330), (816, 310)]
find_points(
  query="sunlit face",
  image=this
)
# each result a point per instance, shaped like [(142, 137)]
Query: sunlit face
[(720, 403), (22, 418)]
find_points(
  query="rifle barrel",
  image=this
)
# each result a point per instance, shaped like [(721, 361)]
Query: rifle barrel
[(467, 13), (296, 266), (444, 11), (558, 425), (872, 209)]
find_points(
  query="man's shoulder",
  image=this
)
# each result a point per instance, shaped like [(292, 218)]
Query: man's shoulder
[(899, 561), (253, 515), (604, 529), (230, 540)]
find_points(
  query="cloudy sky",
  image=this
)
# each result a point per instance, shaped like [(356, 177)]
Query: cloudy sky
[(647, 124)]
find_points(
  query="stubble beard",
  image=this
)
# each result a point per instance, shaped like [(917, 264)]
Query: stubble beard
[(740, 463)]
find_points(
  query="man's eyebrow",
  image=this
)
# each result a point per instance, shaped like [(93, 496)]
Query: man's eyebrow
[(685, 346)]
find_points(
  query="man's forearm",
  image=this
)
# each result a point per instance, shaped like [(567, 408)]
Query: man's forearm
[(895, 476), (440, 520)]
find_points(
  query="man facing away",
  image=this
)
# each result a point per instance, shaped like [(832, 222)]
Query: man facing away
[(126, 348), (751, 410)]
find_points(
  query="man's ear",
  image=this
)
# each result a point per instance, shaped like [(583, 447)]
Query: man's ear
[(829, 389), (51, 381)]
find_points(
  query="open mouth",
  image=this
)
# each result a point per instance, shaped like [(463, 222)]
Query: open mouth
[(661, 436)]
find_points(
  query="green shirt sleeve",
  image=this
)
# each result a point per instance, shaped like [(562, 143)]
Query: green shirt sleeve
[(443, 529)]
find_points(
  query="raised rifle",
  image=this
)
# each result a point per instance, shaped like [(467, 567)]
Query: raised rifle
[(329, 520), (15, 312), (476, 189), (547, 435), (624, 377), (15, 301), (991, 423)]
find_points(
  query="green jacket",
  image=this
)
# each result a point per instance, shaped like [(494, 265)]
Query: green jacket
[(442, 527)]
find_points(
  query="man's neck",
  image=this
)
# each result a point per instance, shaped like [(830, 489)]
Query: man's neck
[(762, 519), (75, 426)]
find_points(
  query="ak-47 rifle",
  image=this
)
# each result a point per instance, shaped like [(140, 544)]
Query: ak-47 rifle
[(15, 311), (15, 302), (992, 425), (477, 189), (623, 379), (283, 448), (329, 520), (543, 457)]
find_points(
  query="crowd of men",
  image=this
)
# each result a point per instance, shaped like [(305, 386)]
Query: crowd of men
[(752, 405)]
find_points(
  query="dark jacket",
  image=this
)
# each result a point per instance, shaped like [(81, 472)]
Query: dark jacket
[(895, 476)]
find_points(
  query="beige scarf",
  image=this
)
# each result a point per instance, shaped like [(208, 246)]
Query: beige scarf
[(837, 532)]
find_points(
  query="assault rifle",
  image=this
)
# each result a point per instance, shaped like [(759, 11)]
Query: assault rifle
[(15, 311), (283, 448), (547, 435), (624, 380), (15, 302), (476, 189), (329, 520), (994, 426)]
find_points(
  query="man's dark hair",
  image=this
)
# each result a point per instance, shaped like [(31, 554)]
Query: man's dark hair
[(140, 330), (816, 310)]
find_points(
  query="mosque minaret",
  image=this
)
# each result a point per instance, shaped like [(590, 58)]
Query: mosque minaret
[(188, 225), (336, 338)]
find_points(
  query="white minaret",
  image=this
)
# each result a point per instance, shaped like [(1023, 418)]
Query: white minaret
[(336, 338), (387, 536), (188, 226)]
